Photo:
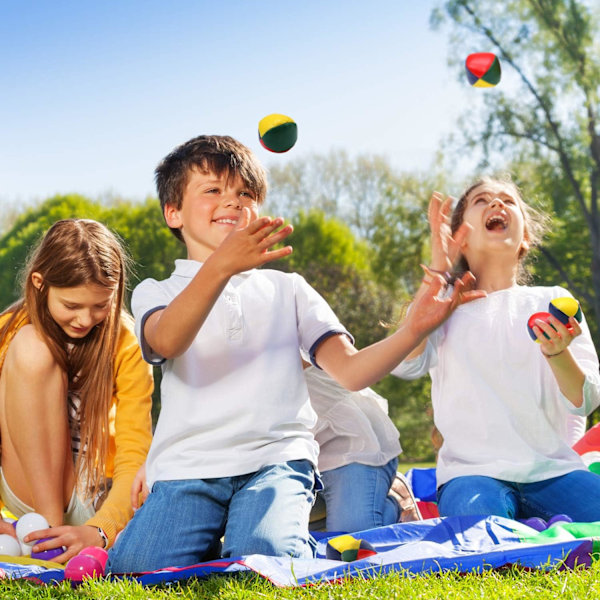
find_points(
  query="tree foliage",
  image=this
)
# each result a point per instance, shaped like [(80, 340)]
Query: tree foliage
[(545, 130), (140, 226)]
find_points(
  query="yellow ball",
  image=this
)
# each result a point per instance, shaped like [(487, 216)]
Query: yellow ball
[(565, 307)]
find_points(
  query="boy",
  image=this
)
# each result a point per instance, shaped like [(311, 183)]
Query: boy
[(232, 453)]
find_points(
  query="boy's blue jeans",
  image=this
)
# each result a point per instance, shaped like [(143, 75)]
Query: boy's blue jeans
[(576, 494), (357, 496), (182, 521)]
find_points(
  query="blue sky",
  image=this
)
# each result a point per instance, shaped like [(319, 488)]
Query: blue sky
[(95, 93)]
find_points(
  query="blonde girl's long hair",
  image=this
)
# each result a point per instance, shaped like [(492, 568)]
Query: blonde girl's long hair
[(76, 252)]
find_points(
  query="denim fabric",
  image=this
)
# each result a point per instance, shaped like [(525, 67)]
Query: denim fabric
[(576, 494), (357, 496), (182, 521)]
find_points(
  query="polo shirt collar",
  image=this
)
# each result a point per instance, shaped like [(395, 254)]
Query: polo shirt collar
[(184, 267)]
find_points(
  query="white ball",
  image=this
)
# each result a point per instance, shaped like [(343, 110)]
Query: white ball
[(30, 522), (25, 549), (9, 545)]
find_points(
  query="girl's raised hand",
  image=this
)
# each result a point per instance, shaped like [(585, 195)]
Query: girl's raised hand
[(432, 307), (445, 248)]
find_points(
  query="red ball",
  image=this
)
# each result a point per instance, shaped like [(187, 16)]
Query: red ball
[(545, 317), (542, 316)]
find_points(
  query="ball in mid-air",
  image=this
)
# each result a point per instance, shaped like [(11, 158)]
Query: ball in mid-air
[(483, 69), (277, 133), (348, 548), (565, 307)]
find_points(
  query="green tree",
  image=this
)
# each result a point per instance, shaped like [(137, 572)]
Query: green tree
[(546, 128), (346, 188), (27, 230), (146, 238)]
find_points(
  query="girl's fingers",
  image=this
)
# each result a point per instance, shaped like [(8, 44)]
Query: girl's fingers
[(575, 325)]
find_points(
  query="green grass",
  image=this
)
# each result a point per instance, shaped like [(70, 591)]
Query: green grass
[(508, 583), (492, 585)]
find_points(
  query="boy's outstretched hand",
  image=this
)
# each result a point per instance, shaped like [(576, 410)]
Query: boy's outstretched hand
[(249, 245), (431, 308)]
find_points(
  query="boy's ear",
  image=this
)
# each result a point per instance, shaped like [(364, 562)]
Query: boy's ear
[(37, 280), (524, 248), (172, 216)]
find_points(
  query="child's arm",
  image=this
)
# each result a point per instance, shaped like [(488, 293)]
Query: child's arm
[(445, 248), (357, 369), (555, 347), (170, 331)]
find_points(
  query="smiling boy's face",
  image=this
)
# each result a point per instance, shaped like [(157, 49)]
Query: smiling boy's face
[(210, 210)]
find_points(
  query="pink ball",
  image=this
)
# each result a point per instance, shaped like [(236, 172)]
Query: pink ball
[(83, 566), (100, 554)]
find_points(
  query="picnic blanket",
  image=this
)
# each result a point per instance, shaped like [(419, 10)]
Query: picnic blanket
[(461, 544)]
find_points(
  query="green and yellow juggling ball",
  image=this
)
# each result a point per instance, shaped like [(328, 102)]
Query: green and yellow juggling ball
[(277, 133), (348, 549)]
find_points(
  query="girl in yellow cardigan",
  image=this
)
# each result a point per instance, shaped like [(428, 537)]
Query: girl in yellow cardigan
[(75, 394)]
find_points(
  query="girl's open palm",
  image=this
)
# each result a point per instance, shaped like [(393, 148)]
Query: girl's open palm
[(445, 248), (431, 307)]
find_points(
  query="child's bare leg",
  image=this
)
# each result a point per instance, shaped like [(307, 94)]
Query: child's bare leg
[(36, 446)]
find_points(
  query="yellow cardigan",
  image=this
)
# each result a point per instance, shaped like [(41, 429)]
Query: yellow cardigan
[(129, 421)]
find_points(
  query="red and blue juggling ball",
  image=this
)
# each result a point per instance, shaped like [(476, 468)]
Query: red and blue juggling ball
[(561, 309)]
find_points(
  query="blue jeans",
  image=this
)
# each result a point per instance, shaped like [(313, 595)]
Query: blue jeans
[(182, 521), (576, 494), (357, 496)]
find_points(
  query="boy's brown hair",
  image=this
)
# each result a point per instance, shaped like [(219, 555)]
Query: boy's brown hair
[(218, 154)]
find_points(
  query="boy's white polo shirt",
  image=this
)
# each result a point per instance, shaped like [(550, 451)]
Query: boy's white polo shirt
[(236, 400)]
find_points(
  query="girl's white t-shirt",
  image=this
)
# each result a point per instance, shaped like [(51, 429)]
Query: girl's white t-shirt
[(495, 399)]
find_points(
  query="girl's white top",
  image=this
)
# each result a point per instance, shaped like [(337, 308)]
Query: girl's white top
[(495, 399), (352, 427)]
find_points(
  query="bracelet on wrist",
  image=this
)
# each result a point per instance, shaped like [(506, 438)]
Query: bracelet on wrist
[(103, 536), (448, 277), (552, 355)]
